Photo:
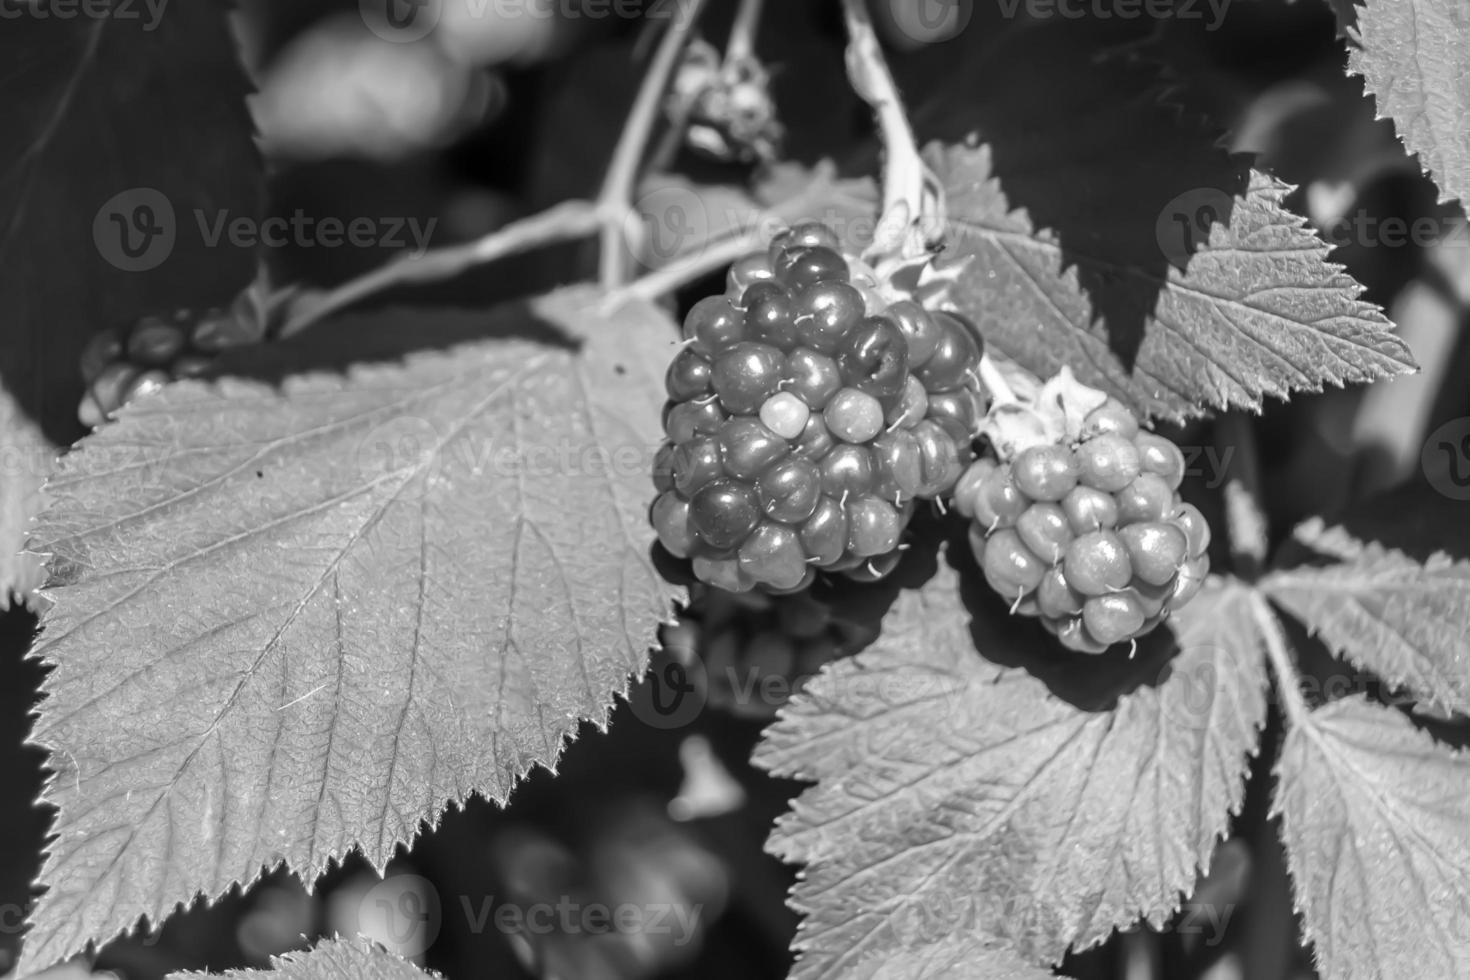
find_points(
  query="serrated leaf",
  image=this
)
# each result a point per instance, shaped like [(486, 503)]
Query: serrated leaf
[(1258, 310), (29, 458), (1376, 820), (1414, 56), (123, 119), (958, 799), (953, 958), (1384, 611), (331, 959), (294, 621)]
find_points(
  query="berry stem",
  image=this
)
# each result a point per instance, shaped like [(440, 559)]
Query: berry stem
[(741, 43), (1288, 681), (562, 222), (615, 200), (995, 383), (1244, 517), (912, 205)]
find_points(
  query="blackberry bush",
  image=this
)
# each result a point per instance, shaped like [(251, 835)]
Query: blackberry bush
[(811, 406), (1079, 521)]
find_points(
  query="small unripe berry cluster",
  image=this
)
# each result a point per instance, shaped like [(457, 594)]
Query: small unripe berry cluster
[(119, 364), (806, 416), (1089, 533), (754, 649)]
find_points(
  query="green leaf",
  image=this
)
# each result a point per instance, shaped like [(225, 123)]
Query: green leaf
[(1384, 611), (332, 959), (1376, 820), (1257, 311), (295, 620), (954, 958), (957, 798), (1414, 56)]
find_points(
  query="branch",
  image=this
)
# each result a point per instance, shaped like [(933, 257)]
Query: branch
[(616, 196), (714, 255), (568, 220), (913, 207), (1244, 517)]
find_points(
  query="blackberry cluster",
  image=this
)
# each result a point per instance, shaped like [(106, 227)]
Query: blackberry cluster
[(1089, 533), (119, 364), (754, 649), (806, 417)]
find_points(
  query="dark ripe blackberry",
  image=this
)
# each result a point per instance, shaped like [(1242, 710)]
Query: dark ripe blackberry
[(714, 325), (816, 441), (808, 265), (898, 465), (696, 463), (963, 407), (911, 406), (685, 420), (873, 358), (724, 513), (770, 316), (847, 470), (748, 447), (670, 518), (745, 375), (824, 534), (722, 573), (825, 312), (789, 489), (688, 376), (918, 328), (956, 357), (939, 458), (663, 468), (812, 377), (746, 272), (772, 555), (809, 234), (873, 526)]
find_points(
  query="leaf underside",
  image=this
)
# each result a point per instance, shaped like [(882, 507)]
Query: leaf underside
[(331, 959), (290, 622), (1377, 829), (1257, 311), (957, 800), (1384, 611)]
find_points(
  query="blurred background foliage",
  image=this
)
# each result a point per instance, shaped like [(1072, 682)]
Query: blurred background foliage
[(489, 118)]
